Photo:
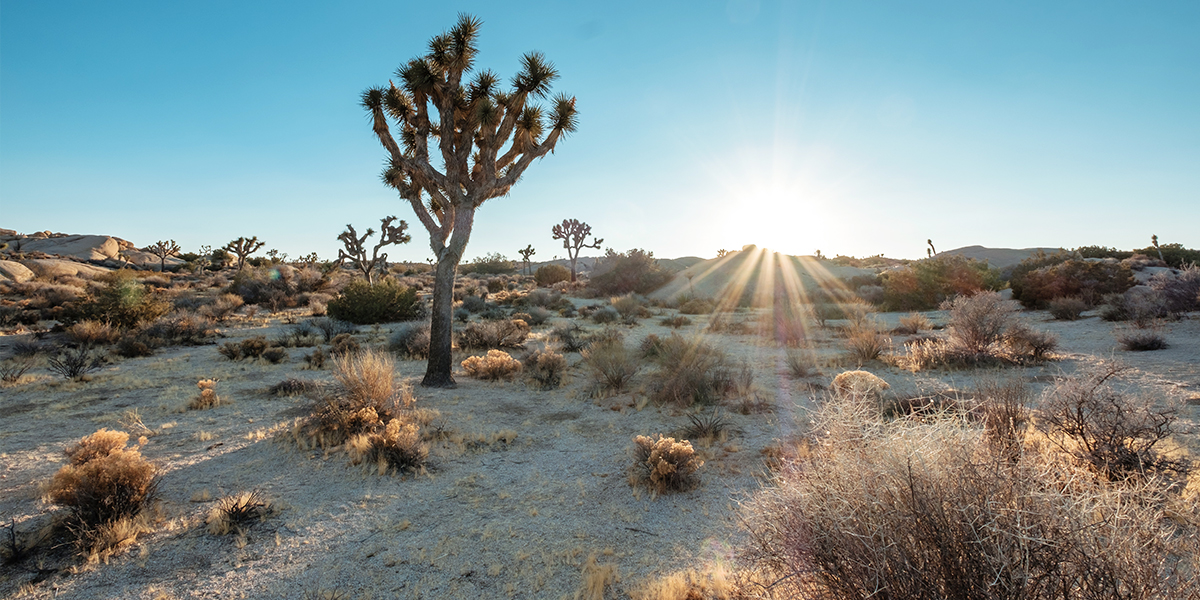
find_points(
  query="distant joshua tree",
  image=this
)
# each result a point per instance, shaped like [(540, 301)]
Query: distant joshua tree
[(722, 252), (243, 248), (573, 232), (163, 249), (525, 254), (485, 138), (356, 252), (1154, 242), (931, 250)]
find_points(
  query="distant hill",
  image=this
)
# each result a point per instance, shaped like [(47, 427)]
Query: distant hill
[(999, 258)]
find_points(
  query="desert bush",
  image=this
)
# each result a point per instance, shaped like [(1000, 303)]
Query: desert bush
[(91, 333), (207, 398), (613, 365), (494, 313), (222, 307), (606, 315), (1137, 339), (123, 302), (367, 379), (1003, 406), (474, 304), (410, 340), (1083, 279), (665, 464), (571, 337), (104, 482), (1068, 308), (921, 509), (924, 284), (235, 513), (497, 364), (548, 275), (858, 384), (697, 306), (546, 367), (706, 427), (343, 344), (330, 328), (493, 334), (1022, 341), (913, 323), (386, 301), (74, 363), (537, 316), (629, 306), (676, 322), (490, 264), (1140, 305), (396, 446), (634, 271), (548, 299), (692, 371), (278, 287), (978, 323), (275, 355), (801, 364), (14, 368), (367, 400), (315, 359), (1108, 428), (294, 387), (252, 347), (1179, 293), (984, 330), (462, 315)]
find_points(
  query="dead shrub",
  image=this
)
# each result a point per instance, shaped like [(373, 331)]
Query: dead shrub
[(315, 360), (1109, 429), (294, 387), (1003, 408), (222, 307), (692, 371), (801, 364), (12, 370), (497, 364), (91, 333), (275, 355), (235, 513), (253, 347), (368, 380), (921, 509), (866, 342), (546, 367), (493, 334), (1069, 308), (676, 322), (1137, 339), (571, 337), (913, 323), (106, 485), (208, 397), (411, 340), (984, 331), (978, 323), (665, 464), (344, 344), (858, 384), (75, 364), (612, 364), (1022, 341)]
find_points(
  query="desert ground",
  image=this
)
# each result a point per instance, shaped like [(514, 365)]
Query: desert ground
[(526, 492)]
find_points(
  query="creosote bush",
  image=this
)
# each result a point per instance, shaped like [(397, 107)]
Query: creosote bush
[(665, 464), (691, 371), (207, 398), (123, 302), (222, 307), (548, 275), (410, 340), (386, 301), (106, 486), (93, 333), (497, 364), (1137, 339), (546, 367), (612, 364), (983, 330), (1069, 308), (493, 334)]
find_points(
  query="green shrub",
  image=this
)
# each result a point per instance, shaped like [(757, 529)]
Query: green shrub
[(697, 306), (548, 275), (411, 340), (924, 284), (123, 302), (635, 271), (490, 264), (386, 301), (1086, 280)]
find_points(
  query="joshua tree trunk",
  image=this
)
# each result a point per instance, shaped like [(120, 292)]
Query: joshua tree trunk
[(441, 313)]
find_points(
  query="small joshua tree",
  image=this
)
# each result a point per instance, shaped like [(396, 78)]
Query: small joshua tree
[(573, 232), (243, 248), (162, 249), (525, 254), (1154, 242), (356, 252), (931, 250)]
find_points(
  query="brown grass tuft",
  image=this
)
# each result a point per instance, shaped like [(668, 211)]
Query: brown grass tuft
[(665, 464), (233, 514)]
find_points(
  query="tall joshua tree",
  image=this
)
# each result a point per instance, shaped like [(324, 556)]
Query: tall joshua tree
[(485, 138), (525, 254), (355, 246), (162, 249), (573, 232), (242, 248)]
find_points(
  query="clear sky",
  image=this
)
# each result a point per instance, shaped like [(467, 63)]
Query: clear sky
[(850, 127)]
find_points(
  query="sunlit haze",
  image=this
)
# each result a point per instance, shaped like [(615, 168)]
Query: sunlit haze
[(855, 128)]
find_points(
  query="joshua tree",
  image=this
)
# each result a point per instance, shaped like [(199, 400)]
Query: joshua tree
[(525, 254), (485, 137), (356, 252), (242, 248), (573, 232), (1154, 242), (722, 252), (162, 249), (932, 250)]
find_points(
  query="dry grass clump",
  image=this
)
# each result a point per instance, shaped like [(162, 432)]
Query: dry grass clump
[(91, 333), (493, 334), (235, 513), (546, 367), (692, 371), (630, 307), (913, 323), (497, 364), (74, 363), (714, 584), (665, 464), (367, 399), (1141, 339), (222, 307), (1003, 408), (411, 340), (208, 397), (368, 379), (397, 446), (1067, 308), (676, 322), (697, 306), (613, 365), (294, 387), (1109, 428), (924, 509), (801, 364), (570, 337), (106, 485), (253, 347), (866, 342), (12, 370)]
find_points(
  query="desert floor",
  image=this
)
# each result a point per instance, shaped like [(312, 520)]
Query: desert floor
[(526, 491)]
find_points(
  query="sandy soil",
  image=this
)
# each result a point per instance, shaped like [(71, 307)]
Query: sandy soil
[(496, 515)]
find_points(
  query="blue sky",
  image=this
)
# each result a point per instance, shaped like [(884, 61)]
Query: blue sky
[(850, 127)]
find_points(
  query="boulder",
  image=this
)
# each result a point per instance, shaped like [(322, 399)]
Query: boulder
[(147, 260), (58, 267), (15, 271), (84, 247)]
